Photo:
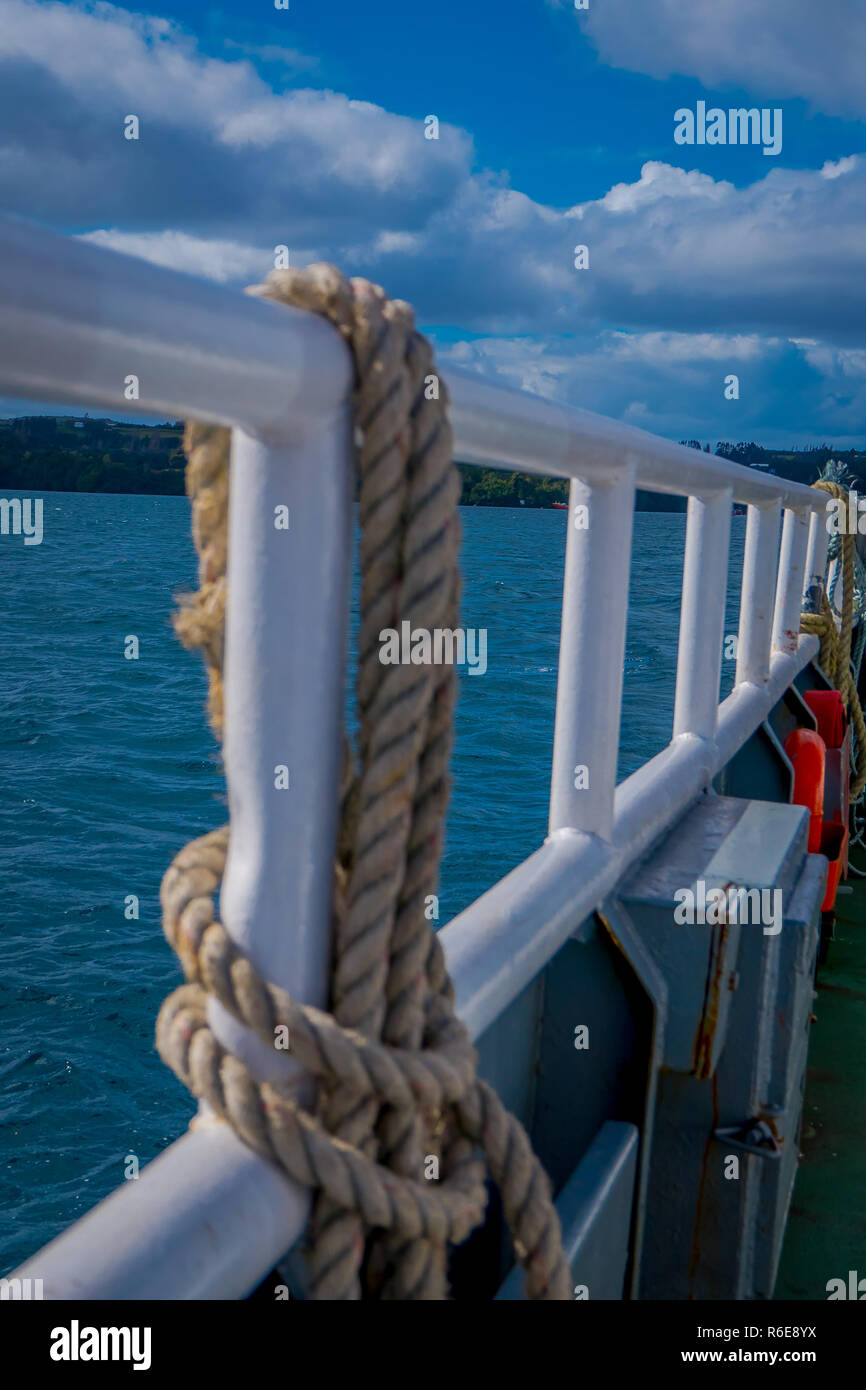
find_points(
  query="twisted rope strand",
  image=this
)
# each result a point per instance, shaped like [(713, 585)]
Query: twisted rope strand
[(835, 654), (396, 1067)]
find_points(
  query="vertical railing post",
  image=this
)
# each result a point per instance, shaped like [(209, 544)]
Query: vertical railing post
[(288, 586), (789, 588), (702, 617), (816, 553), (592, 654), (758, 593)]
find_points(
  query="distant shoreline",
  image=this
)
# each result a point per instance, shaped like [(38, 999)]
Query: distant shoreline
[(668, 505), (47, 453)]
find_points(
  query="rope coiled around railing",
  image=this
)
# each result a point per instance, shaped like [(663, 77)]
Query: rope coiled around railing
[(835, 654), (395, 1066)]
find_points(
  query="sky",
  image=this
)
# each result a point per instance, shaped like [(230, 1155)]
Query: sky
[(306, 127)]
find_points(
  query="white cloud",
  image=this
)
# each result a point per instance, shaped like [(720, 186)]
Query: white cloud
[(213, 260), (689, 347), (834, 169), (774, 48), (689, 276), (679, 251), (833, 362), (389, 243), (219, 149), (658, 182), (673, 384), (673, 252), (226, 169)]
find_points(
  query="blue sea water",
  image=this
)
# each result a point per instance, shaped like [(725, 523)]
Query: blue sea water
[(108, 767)]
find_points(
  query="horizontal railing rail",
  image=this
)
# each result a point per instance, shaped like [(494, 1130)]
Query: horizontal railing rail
[(78, 319), (208, 1218)]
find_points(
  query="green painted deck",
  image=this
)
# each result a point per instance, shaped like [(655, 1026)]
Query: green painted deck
[(826, 1234)]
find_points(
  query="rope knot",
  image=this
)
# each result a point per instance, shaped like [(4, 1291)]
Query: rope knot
[(395, 1066)]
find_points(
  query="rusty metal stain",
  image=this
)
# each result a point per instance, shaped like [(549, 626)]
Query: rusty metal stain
[(770, 1117), (705, 1037)]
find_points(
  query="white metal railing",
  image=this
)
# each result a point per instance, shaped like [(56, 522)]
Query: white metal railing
[(208, 1218)]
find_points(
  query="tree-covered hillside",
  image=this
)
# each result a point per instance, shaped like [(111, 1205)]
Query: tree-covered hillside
[(44, 453)]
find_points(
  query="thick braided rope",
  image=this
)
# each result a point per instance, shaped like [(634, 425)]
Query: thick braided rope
[(835, 654), (395, 1065)]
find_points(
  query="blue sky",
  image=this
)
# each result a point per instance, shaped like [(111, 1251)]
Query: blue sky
[(305, 127), (523, 78)]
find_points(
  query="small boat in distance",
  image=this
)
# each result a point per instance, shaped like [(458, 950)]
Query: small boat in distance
[(560, 506)]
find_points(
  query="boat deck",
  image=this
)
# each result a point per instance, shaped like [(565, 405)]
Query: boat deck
[(826, 1234)]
